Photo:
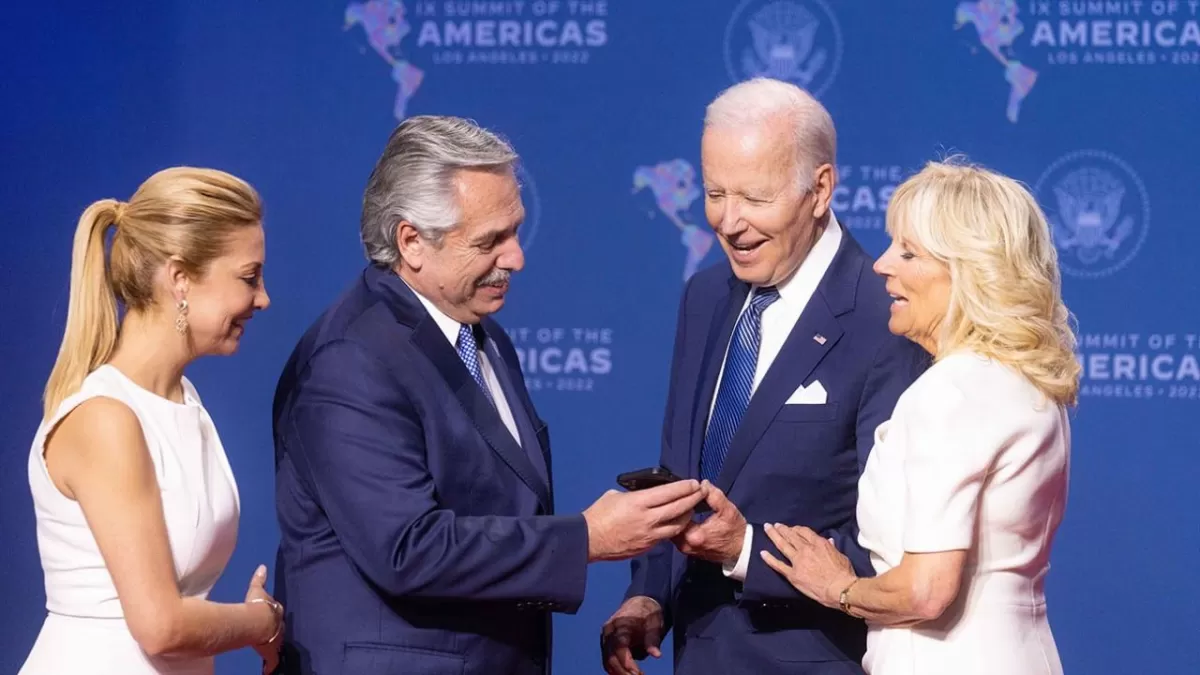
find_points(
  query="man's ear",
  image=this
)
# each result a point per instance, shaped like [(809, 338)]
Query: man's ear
[(412, 246), (824, 181)]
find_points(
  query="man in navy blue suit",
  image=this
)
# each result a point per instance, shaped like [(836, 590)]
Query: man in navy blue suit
[(413, 475), (783, 368)]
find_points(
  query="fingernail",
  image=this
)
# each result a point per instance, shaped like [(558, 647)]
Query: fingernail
[(261, 571)]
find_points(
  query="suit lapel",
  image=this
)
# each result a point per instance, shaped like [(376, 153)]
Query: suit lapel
[(797, 358), (719, 333), (520, 395), (428, 338), (521, 409), (433, 343)]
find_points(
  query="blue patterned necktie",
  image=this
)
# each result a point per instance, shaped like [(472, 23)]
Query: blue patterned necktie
[(468, 351), (737, 380)]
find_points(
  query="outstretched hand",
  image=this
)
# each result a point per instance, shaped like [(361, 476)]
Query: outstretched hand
[(817, 569), (719, 537)]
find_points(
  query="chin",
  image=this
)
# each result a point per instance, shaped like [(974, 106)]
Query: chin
[(757, 274), (490, 306), (226, 347)]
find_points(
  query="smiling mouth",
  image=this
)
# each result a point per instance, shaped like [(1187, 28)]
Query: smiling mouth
[(745, 250), (898, 299)]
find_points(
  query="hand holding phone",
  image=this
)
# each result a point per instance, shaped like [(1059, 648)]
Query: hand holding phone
[(646, 478), (623, 525)]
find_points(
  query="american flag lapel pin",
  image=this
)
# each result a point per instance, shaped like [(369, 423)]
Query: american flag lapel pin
[(820, 339)]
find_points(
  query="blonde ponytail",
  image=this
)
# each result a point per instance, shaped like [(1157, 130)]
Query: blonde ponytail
[(184, 213), (91, 330)]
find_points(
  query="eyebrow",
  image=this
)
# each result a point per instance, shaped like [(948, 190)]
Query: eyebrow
[(492, 234)]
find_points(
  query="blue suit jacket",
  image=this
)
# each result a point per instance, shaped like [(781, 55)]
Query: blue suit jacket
[(416, 535), (795, 464)]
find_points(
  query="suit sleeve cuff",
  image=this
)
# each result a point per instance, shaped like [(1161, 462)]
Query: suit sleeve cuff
[(737, 570)]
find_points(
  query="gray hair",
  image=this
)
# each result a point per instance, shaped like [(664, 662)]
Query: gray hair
[(413, 179), (759, 100)]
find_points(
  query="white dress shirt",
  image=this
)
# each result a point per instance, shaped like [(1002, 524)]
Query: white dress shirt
[(778, 320), (450, 329)]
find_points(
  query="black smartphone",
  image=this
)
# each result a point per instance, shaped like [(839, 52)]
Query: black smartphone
[(646, 478)]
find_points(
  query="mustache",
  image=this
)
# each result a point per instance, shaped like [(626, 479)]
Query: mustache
[(496, 277)]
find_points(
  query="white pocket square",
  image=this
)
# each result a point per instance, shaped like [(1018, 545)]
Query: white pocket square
[(812, 394)]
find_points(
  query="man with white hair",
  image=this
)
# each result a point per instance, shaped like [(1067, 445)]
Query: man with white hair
[(783, 367), (413, 474)]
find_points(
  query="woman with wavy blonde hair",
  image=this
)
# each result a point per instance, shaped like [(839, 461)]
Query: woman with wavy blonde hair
[(966, 486), (137, 508)]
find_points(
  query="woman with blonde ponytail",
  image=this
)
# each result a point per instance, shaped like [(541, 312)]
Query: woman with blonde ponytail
[(965, 488), (137, 508)]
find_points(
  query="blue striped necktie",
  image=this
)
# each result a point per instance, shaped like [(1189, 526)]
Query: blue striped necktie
[(468, 351), (737, 380)]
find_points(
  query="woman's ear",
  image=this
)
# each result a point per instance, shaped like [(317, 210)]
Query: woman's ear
[(177, 279)]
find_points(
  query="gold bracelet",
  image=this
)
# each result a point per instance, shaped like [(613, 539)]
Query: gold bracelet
[(277, 610), (844, 598)]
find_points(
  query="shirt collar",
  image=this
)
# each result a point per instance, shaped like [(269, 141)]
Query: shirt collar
[(798, 288), (449, 327)]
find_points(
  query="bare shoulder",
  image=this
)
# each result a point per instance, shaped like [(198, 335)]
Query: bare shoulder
[(101, 434), (98, 419)]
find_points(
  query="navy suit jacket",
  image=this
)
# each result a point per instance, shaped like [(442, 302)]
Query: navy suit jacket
[(794, 464), (416, 535)]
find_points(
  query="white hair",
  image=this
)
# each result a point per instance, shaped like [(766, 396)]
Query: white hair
[(760, 100), (413, 179)]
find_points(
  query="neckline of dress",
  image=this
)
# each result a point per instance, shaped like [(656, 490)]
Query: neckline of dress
[(189, 402)]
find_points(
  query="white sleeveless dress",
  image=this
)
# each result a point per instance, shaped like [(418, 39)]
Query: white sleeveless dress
[(85, 631)]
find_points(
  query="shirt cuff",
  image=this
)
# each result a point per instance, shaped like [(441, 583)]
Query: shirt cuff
[(737, 571)]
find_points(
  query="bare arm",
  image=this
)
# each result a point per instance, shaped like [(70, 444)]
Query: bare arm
[(98, 457), (919, 589)]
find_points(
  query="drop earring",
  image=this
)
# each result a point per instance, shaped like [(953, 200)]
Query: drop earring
[(181, 323)]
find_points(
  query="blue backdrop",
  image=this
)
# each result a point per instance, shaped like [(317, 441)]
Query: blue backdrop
[(1093, 104)]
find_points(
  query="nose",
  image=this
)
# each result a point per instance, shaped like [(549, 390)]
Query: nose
[(882, 265), (512, 258), (729, 218), (261, 299)]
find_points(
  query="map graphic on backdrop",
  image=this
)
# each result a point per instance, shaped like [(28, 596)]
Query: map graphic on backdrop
[(1120, 34), (997, 25), (674, 186), (384, 23)]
